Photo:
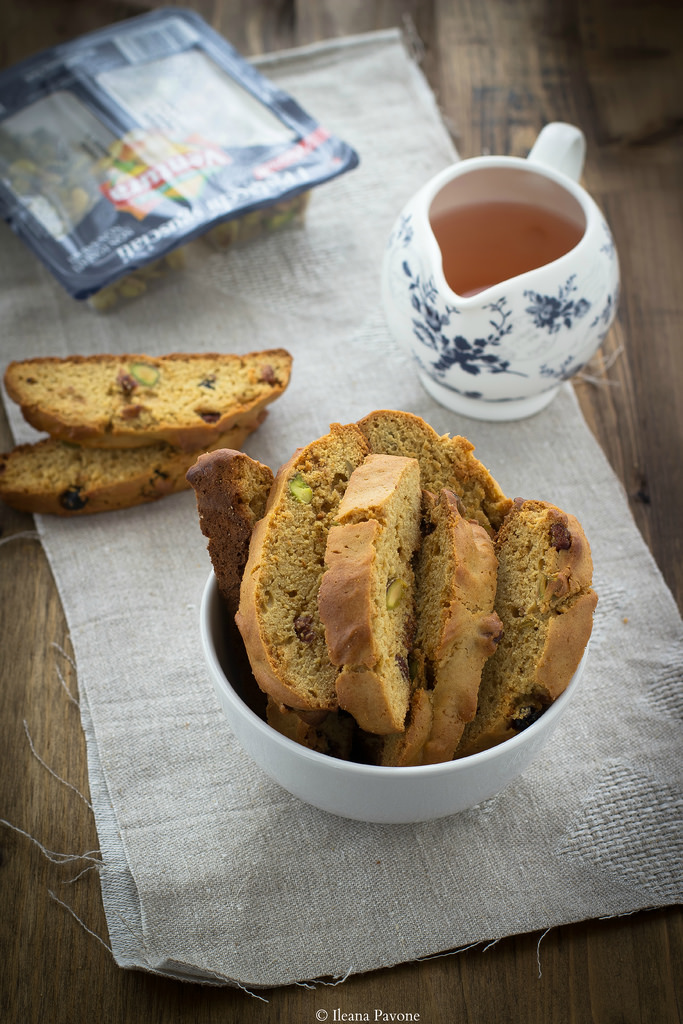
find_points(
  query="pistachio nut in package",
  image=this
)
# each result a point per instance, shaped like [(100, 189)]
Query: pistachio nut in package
[(120, 147)]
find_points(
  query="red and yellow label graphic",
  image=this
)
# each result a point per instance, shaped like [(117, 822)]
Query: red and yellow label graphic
[(143, 169), (294, 154)]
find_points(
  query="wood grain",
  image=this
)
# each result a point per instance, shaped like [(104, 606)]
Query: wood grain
[(499, 71)]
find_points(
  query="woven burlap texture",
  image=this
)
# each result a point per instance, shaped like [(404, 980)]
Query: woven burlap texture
[(212, 871)]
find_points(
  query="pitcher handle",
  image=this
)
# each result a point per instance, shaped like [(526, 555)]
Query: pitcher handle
[(562, 147)]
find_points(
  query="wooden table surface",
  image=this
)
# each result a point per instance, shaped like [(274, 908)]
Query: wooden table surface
[(500, 70)]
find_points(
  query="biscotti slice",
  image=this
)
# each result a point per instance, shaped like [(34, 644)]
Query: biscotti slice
[(458, 629), (278, 611), (188, 400), (445, 462), (366, 598), (405, 749), (546, 603), (333, 735), (231, 490), (56, 478)]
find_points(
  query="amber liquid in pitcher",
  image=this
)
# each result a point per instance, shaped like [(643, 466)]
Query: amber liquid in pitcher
[(485, 243)]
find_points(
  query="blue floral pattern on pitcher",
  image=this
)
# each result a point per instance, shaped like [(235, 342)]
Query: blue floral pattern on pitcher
[(472, 356), (434, 328), (553, 312)]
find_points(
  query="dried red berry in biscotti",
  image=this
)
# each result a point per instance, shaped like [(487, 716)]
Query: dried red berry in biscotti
[(303, 627), (560, 537), (126, 382)]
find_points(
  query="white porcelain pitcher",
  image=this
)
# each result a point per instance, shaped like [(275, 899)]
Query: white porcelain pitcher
[(502, 353)]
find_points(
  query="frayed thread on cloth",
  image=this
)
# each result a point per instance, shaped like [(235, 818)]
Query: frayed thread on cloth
[(20, 535), (94, 857), (449, 952), (315, 983), (70, 881), (60, 676), (538, 951), (602, 381), (321, 981), (52, 772), (82, 923), (254, 995), (96, 863), (628, 913), (52, 855)]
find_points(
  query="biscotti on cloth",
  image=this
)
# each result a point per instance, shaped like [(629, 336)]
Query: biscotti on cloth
[(127, 401), (395, 605), (125, 429), (55, 478)]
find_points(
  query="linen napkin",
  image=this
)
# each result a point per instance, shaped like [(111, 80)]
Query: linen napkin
[(210, 870)]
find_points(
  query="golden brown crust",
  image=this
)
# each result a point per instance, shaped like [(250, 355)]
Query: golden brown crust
[(345, 595), (231, 490), (568, 634), (540, 572), (247, 618), (55, 478), (454, 699), (363, 693), (97, 401), (405, 749)]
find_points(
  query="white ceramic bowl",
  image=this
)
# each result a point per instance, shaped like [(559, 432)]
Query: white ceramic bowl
[(360, 791)]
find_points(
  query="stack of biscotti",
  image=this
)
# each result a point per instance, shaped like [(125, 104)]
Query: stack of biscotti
[(124, 429), (394, 596)]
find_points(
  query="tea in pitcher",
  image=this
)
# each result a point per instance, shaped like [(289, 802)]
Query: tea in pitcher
[(484, 243)]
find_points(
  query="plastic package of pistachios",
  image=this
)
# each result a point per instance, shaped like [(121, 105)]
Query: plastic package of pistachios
[(119, 148)]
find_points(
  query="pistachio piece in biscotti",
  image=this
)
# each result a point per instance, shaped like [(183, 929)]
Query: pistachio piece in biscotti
[(300, 490), (145, 374), (396, 588)]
